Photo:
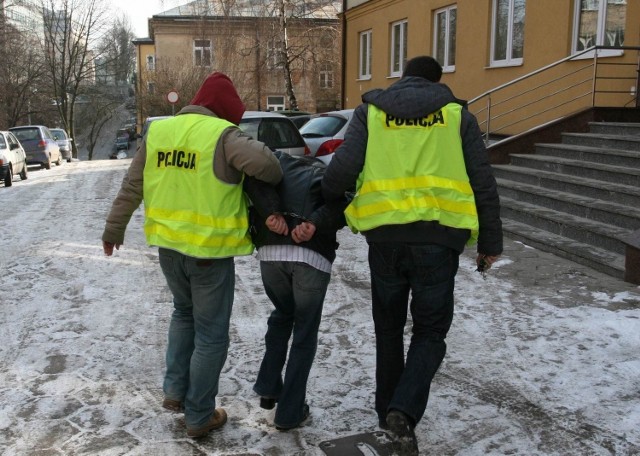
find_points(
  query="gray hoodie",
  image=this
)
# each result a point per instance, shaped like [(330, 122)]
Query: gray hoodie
[(409, 98)]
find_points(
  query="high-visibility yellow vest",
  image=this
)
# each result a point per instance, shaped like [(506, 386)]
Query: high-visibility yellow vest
[(414, 170), (187, 208)]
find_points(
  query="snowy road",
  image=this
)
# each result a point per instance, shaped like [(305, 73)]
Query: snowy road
[(543, 356)]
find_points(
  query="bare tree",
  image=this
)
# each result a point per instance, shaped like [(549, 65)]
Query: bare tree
[(170, 74), (21, 80), (117, 51), (99, 108), (71, 28)]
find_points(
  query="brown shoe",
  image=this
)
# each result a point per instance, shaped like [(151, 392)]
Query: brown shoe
[(216, 421), (172, 405)]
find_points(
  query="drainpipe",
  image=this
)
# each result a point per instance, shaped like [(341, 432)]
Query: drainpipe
[(343, 54)]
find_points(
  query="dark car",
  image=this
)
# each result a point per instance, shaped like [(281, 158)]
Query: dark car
[(122, 142), (275, 130), (39, 145)]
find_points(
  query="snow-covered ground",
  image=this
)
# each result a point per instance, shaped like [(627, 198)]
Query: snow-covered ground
[(543, 355)]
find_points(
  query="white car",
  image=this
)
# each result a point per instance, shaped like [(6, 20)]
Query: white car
[(13, 160), (324, 132), (277, 131), (64, 142)]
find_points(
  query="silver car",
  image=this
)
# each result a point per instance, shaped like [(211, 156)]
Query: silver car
[(64, 142), (275, 130), (325, 132), (39, 145)]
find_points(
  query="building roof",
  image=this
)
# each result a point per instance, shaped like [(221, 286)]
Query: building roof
[(312, 9)]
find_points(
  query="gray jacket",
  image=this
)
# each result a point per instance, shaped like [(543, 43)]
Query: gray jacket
[(413, 97)]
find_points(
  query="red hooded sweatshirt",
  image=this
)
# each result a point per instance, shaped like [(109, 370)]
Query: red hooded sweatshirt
[(218, 94)]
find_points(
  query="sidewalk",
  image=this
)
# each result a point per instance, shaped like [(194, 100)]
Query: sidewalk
[(543, 359)]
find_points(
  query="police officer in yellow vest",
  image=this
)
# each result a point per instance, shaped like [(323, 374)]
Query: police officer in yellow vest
[(424, 190), (189, 171)]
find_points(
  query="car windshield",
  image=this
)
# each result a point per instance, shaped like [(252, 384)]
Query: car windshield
[(26, 134), (323, 126), (277, 133), (3, 144)]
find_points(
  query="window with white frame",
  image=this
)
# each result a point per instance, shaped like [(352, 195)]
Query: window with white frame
[(364, 56), (275, 55), (151, 63), (275, 103), (398, 47), (326, 76), (507, 37), (202, 53), (444, 40), (599, 23)]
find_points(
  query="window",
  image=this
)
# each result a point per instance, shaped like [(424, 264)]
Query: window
[(364, 62), (600, 23), (202, 53), (275, 55), (507, 38), (151, 88), (326, 76), (275, 103), (398, 47), (444, 40), (151, 63)]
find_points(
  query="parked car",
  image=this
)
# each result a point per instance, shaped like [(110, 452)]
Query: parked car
[(147, 122), (325, 132), (39, 145), (13, 159), (64, 142), (299, 121), (299, 118), (275, 130), (122, 142)]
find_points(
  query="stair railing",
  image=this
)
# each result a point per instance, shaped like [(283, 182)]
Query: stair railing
[(571, 84)]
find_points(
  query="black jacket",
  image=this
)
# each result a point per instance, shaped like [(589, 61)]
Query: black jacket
[(298, 197), (409, 98)]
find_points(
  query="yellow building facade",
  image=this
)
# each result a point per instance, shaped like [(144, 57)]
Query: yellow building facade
[(484, 44)]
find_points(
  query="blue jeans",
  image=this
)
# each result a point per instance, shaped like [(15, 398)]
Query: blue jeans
[(199, 330), (297, 291), (427, 272)]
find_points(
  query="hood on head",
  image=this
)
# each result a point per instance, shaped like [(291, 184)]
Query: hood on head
[(218, 95)]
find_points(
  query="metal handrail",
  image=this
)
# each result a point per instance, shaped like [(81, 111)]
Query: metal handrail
[(493, 112)]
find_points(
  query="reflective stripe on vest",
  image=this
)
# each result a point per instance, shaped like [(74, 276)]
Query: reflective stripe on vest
[(414, 170), (187, 208)]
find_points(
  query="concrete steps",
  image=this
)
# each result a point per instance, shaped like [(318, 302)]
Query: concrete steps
[(579, 199)]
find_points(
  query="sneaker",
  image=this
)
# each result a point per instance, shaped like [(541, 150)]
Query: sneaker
[(305, 415), (404, 438), (173, 405), (268, 403), (216, 421)]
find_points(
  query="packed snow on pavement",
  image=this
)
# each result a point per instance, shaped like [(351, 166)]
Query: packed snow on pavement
[(542, 356)]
